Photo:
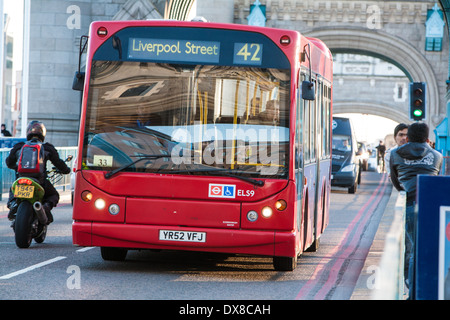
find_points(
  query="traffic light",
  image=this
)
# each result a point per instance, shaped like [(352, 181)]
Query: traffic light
[(417, 101)]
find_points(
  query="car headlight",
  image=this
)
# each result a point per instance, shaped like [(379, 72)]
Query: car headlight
[(349, 168)]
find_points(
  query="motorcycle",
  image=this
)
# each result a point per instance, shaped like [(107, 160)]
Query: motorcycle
[(31, 220)]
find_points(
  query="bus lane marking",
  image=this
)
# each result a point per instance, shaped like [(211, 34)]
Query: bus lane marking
[(322, 266), (333, 276), (31, 268)]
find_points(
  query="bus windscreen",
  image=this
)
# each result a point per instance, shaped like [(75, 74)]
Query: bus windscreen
[(202, 116)]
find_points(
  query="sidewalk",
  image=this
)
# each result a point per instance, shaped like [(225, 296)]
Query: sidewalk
[(365, 281)]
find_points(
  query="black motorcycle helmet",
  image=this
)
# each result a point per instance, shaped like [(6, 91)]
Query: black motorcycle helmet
[(37, 129)]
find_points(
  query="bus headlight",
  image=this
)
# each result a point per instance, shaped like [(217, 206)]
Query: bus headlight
[(114, 209), (100, 203), (252, 216), (267, 212)]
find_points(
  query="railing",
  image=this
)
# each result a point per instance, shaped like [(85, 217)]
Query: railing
[(390, 279), (445, 171), (7, 176)]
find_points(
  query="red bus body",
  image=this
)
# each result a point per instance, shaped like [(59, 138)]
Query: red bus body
[(155, 205)]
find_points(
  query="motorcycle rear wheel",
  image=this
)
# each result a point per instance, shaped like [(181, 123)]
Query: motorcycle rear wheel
[(22, 227)]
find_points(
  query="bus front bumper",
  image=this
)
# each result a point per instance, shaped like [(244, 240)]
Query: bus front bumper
[(131, 236)]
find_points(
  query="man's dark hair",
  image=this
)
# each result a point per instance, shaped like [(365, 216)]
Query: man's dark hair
[(418, 132), (400, 127)]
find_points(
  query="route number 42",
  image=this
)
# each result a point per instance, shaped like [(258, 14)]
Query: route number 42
[(247, 53)]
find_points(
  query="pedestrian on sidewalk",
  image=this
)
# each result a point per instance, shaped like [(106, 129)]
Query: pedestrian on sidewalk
[(400, 137), (406, 162), (5, 133)]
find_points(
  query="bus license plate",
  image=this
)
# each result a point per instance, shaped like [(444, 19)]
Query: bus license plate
[(189, 236), (23, 191)]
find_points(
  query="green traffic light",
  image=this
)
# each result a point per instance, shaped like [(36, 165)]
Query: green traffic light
[(417, 112)]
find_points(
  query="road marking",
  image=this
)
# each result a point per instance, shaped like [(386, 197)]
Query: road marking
[(346, 242), (85, 249), (13, 274), (333, 276)]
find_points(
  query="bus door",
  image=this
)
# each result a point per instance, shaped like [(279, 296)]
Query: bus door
[(309, 168), (299, 157), (318, 154)]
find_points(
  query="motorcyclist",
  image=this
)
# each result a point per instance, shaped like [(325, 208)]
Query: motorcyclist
[(36, 131)]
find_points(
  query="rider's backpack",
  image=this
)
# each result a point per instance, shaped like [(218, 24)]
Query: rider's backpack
[(31, 159)]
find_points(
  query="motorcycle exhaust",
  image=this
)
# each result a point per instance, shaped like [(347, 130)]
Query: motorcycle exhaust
[(40, 212)]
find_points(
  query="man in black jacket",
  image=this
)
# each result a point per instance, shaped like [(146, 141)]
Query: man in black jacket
[(406, 162), (37, 130), (414, 158)]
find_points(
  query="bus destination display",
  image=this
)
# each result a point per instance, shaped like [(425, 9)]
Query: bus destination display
[(191, 51), (248, 53), (174, 50)]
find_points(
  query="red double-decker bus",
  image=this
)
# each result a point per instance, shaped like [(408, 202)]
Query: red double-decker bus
[(203, 136)]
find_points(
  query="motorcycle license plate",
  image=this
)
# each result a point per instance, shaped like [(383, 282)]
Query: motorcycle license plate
[(23, 191)]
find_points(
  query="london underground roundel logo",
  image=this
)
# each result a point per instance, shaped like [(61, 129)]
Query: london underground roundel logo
[(222, 191)]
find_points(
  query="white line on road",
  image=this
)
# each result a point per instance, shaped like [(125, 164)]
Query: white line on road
[(13, 274), (85, 249)]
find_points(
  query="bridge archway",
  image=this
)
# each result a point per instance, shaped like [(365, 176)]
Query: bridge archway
[(392, 49), (371, 108)]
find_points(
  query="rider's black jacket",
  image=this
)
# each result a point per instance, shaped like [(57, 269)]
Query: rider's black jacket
[(50, 154)]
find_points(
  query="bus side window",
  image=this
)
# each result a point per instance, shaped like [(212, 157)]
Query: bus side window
[(329, 122), (306, 130)]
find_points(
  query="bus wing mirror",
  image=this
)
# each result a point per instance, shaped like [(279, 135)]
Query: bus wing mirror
[(308, 92), (78, 81)]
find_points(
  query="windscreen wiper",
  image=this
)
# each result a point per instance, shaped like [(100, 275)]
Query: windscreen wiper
[(143, 157), (224, 172)]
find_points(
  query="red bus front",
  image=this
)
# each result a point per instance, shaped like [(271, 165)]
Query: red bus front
[(185, 140)]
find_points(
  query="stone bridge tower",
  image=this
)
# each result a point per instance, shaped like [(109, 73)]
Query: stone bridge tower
[(393, 31)]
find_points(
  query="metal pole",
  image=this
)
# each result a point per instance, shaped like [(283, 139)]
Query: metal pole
[(2, 57), (26, 66)]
